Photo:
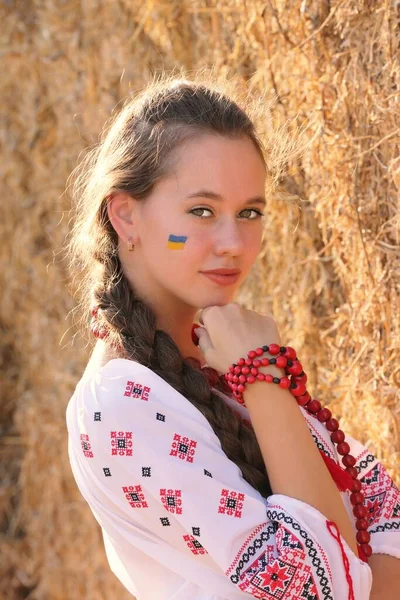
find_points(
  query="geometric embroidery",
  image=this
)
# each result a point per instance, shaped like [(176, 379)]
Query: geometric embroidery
[(196, 531), (207, 473), (146, 471), (121, 443), (280, 574), (165, 521), (137, 390), (183, 448), (87, 450), (382, 500), (160, 417), (97, 416), (135, 496), (231, 503), (194, 545), (172, 500), (107, 472)]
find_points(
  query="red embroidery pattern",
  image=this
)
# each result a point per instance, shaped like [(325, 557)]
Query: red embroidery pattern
[(380, 494), (183, 448), (135, 497), (331, 525), (121, 443), (172, 500), (231, 503), (87, 450), (137, 390), (194, 545)]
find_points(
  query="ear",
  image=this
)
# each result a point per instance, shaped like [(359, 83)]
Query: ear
[(122, 214)]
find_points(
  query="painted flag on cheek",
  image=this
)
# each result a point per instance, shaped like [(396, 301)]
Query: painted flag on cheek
[(176, 242)]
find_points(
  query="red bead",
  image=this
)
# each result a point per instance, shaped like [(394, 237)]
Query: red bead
[(259, 351), (269, 378), (324, 415), (240, 388), (237, 370), (367, 550), (241, 362), (361, 524), (314, 406), (337, 437), (256, 363), (296, 368), (360, 511), (249, 361), (290, 353), (274, 349), (235, 379), (234, 387), (281, 362), (251, 379), (254, 371), (348, 460), (265, 362), (261, 377), (252, 354), (302, 400), (343, 448), (245, 370), (363, 537), (352, 471), (284, 383), (332, 424), (242, 378), (299, 390), (356, 498), (300, 378), (357, 485)]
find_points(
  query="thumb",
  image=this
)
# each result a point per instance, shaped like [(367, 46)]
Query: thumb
[(205, 344)]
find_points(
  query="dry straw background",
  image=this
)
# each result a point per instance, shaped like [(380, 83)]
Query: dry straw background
[(330, 268)]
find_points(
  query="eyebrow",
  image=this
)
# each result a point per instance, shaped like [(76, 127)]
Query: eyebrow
[(214, 196)]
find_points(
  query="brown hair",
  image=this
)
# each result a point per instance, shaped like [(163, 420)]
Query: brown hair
[(134, 152)]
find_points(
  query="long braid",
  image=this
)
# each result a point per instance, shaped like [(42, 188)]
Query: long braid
[(134, 325)]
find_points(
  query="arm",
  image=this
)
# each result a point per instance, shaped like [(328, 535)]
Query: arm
[(294, 464), (385, 577)]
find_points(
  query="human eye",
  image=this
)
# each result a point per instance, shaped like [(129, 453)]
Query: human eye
[(259, 214), (200, 208)]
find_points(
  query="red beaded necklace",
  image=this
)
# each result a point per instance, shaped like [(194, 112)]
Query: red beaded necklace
[(345, 479)]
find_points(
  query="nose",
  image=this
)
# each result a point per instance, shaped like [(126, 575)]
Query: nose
[(229, 237)]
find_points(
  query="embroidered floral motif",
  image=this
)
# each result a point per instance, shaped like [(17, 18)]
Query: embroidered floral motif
[(135, 496), (137, 390), (86, 447), (121, 443), (182, 447)]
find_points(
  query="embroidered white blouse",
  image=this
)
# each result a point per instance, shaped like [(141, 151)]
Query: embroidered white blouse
[(178, 520)]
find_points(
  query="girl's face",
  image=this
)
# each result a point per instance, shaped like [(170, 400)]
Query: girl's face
[(176, 237)]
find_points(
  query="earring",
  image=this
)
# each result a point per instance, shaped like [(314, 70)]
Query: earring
[(130, 245)]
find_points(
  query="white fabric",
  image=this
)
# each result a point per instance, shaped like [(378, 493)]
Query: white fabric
[(179, 522)]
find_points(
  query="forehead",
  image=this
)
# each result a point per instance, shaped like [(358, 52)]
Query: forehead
[(227, 166)]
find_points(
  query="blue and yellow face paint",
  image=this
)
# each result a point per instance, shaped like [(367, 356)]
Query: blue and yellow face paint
[(176, 242)]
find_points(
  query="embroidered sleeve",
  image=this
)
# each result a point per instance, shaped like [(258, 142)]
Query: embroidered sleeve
[(382, 499), (149, 464)]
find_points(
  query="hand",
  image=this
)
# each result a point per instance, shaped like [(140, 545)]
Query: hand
[(229, 332)]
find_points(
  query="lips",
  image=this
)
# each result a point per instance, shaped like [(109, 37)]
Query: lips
[(222, 272), (222, 279)]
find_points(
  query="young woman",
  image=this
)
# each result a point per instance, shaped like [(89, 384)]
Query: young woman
[(204, 490)]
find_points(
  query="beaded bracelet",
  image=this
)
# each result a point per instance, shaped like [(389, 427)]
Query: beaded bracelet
[(246, 371)]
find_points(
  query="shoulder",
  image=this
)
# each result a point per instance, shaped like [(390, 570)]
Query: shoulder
[(129, 388)]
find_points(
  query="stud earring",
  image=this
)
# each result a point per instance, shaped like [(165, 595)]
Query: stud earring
[(130, 245)]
